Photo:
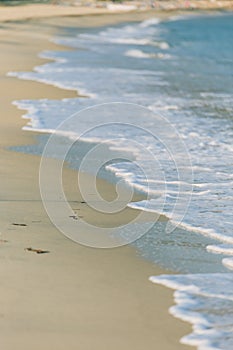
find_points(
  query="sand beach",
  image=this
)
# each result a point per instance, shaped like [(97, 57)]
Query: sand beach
[(71, 296), (56, 293)]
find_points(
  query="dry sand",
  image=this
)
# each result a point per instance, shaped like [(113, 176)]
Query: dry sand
[(73, 297), (28, 11), (46, 10), (142, 8)]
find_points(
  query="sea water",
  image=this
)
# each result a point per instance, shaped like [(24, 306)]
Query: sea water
[(181, 68)]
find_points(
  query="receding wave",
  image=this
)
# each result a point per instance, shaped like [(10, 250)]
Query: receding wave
[(142, 54)]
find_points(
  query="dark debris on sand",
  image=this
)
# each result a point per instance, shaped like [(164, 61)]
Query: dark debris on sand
[(38, 251)]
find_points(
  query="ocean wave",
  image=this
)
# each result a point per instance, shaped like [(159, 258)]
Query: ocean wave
[(205, 301), (142, 54), (228, 262), (150, 22)]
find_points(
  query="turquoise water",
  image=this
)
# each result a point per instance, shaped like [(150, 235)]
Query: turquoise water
[(181, 69)]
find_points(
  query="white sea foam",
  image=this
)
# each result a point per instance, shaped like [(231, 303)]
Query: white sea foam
[(121, 40), (138, 54), (131, 34), (130, 41), (150, 22), (228, 262), (225, 249), (142, 54), (163, 45), (210, 293)]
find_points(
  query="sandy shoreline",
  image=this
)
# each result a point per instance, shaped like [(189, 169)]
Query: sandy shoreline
[(73, 297), (161, 8)]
